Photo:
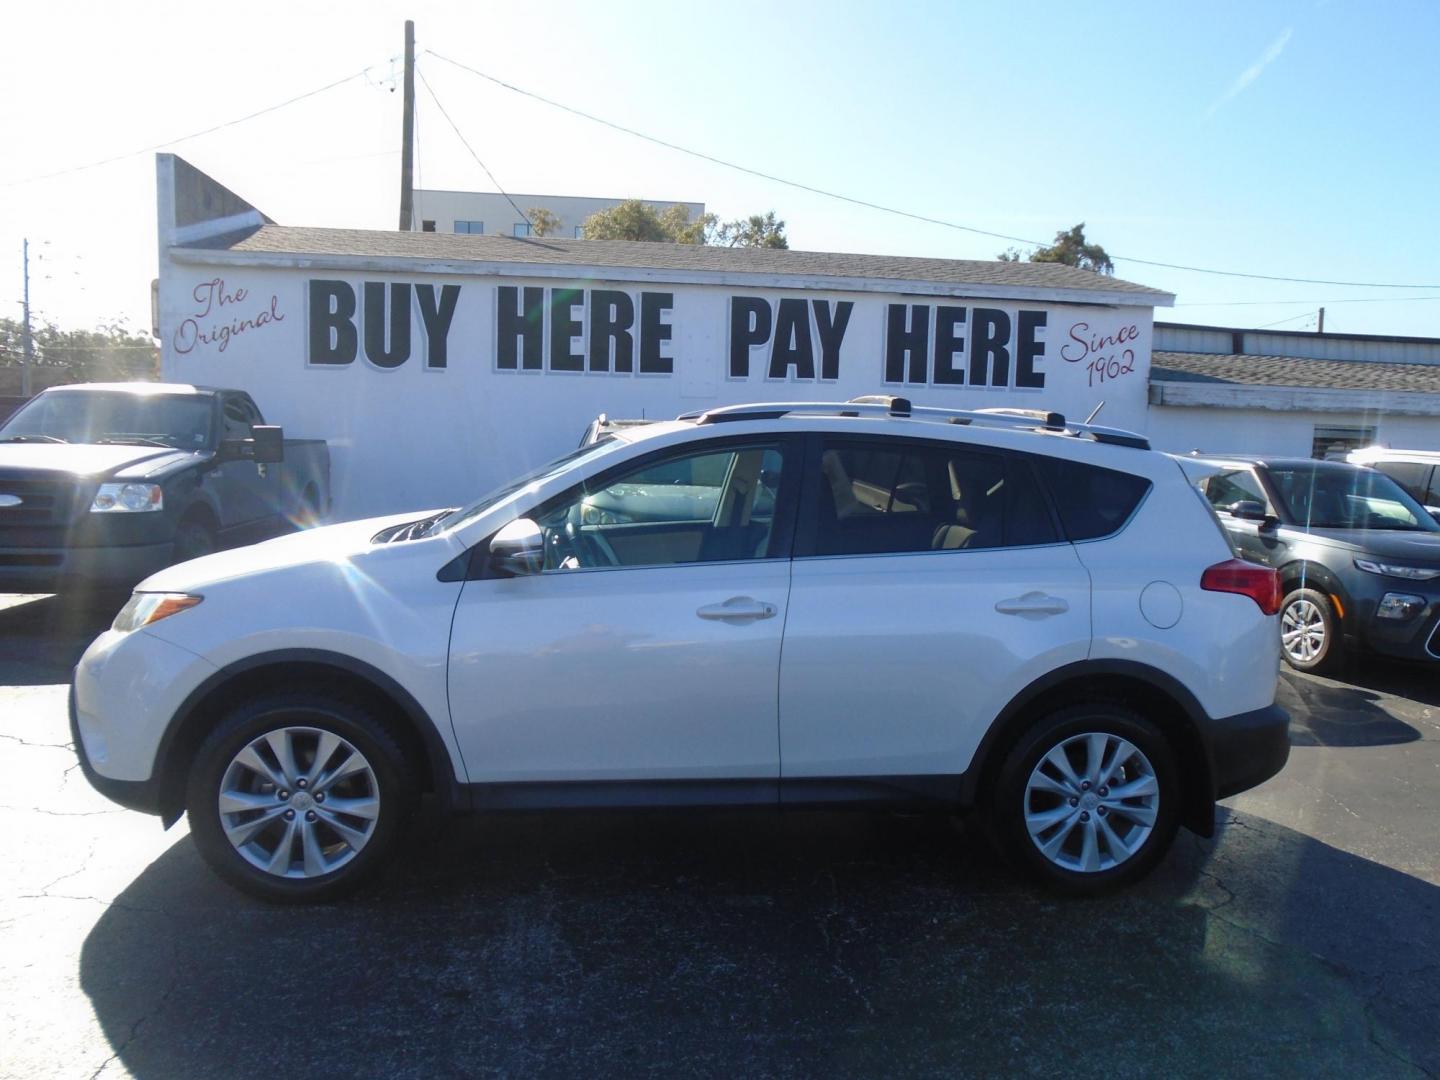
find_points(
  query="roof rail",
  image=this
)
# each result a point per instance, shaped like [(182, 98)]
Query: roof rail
[(886, 405)]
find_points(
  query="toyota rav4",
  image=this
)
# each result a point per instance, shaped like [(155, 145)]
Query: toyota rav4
[(767, 605)]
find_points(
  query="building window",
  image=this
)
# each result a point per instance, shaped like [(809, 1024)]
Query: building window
[(523, 228), (579, 232), (1333, 443), (474, 228), (427, 225)]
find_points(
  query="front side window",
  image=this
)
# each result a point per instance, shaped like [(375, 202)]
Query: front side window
[(707, 506), (1347, 497), (892, 497)]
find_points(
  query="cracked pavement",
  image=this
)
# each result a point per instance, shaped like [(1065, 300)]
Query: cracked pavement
[(1304, 938)]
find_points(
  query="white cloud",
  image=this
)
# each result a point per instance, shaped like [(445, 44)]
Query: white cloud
[(1250, 74)]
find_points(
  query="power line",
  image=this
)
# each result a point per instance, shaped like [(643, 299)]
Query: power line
[(192, 135), (1326, 303), (852, 200), (431, 91)]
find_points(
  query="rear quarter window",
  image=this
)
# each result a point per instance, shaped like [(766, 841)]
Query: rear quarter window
[(1093, 502)]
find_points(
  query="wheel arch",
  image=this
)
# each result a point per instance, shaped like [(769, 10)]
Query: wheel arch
[(1310, 574), (312, 668), (1155, 695)]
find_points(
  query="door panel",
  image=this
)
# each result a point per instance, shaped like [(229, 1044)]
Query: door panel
[(896, 665), (613, 674)]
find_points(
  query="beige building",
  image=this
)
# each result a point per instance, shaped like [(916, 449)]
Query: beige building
[(489, 213)]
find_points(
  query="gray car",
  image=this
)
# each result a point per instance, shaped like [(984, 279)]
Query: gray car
[(1359, 559)]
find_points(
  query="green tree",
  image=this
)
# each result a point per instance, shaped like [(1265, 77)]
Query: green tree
[(543, 222), (109, 353), (634, 220), (1069, 248)]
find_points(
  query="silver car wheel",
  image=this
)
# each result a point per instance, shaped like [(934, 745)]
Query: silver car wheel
[(1302, 630), (1091, 802), (299, 802)]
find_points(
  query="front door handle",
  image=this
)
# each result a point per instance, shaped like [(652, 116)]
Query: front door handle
[(738, 609), (1033, 605)]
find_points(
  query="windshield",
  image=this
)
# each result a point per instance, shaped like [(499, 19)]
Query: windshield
[(94, 416), (1347, 497), (564, 463)]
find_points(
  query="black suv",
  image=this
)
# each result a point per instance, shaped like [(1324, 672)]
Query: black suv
[(1359, 559)]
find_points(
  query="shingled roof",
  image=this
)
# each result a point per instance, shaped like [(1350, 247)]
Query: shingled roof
[(1247, 370), (819, 267)]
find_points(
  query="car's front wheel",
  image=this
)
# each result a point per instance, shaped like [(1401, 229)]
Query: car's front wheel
[(299, 796), (1088, 799), (1308, 631)]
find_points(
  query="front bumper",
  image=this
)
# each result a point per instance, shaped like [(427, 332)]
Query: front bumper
[(1247, 749), (142, 795), (28, 569)]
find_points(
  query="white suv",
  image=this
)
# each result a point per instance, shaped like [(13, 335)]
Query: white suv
[(767, 605)]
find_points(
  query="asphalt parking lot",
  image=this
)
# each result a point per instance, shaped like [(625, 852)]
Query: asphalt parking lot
[(1304, 938)]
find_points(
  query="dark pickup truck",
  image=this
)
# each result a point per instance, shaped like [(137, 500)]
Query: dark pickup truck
[(102, 484)]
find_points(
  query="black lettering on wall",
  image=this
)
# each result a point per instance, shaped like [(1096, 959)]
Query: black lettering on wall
[(749, 326), (333, 339), (989, 351), (563, 327), (436, 319), (1028, 350), (523, 325), (830, 328), (377, 350), (654, 332), (792, 346), (907, 333), (949, 343), (612, 314)]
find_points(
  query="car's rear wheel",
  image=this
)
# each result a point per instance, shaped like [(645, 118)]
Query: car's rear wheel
[(299, 796), (1309, 631), (1088, 800)]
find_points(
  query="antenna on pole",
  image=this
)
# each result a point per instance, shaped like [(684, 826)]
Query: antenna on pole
[(407, 137), (1095, 412)]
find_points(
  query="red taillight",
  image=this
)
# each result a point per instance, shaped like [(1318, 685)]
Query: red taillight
[(1260, 583)]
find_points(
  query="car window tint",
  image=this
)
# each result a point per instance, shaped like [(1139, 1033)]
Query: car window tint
[(1027, 513), (1228, 488), (1093, 502), (693, 507), (893, 498), (1413, 476)]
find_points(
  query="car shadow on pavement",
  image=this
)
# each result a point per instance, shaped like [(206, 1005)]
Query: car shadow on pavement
[(794, 944), (42, 639), (1327, 713)]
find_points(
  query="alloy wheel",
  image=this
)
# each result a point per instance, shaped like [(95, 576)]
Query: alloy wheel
[(1091, 802), (1302, 630), (299, 802)]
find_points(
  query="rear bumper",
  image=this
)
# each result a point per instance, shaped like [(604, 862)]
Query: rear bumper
[(1247, 749), (142, 795), (54, 569)]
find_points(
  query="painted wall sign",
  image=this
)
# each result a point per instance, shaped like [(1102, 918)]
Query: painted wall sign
[(219, 315)]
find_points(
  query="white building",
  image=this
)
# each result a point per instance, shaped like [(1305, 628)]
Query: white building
[(438, 365), (486, 213)]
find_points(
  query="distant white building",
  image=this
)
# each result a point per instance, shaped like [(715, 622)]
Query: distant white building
[(489, 213)]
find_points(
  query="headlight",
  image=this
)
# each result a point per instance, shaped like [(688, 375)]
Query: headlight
[(128, 499), (144, 608), (1410, 573)]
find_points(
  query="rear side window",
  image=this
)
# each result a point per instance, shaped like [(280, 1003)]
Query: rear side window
[(893, 497), (1092, 502)]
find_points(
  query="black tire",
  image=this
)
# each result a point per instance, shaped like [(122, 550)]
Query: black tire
[(193, 538), (390, 780), (1010, 801), (1306, 606)]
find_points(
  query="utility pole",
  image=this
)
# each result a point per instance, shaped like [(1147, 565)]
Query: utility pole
[(29, 342), (1321, 328), (407, 138)]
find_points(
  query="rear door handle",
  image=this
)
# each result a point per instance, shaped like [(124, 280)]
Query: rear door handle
[(738, 609), (1033, 605)]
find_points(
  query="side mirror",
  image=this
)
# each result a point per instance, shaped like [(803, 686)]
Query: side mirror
[(1434, 512), (1248, 510), (268, 444), (518, 548)]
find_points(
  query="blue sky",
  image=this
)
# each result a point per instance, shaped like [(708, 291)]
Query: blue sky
[(1284, 138)]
